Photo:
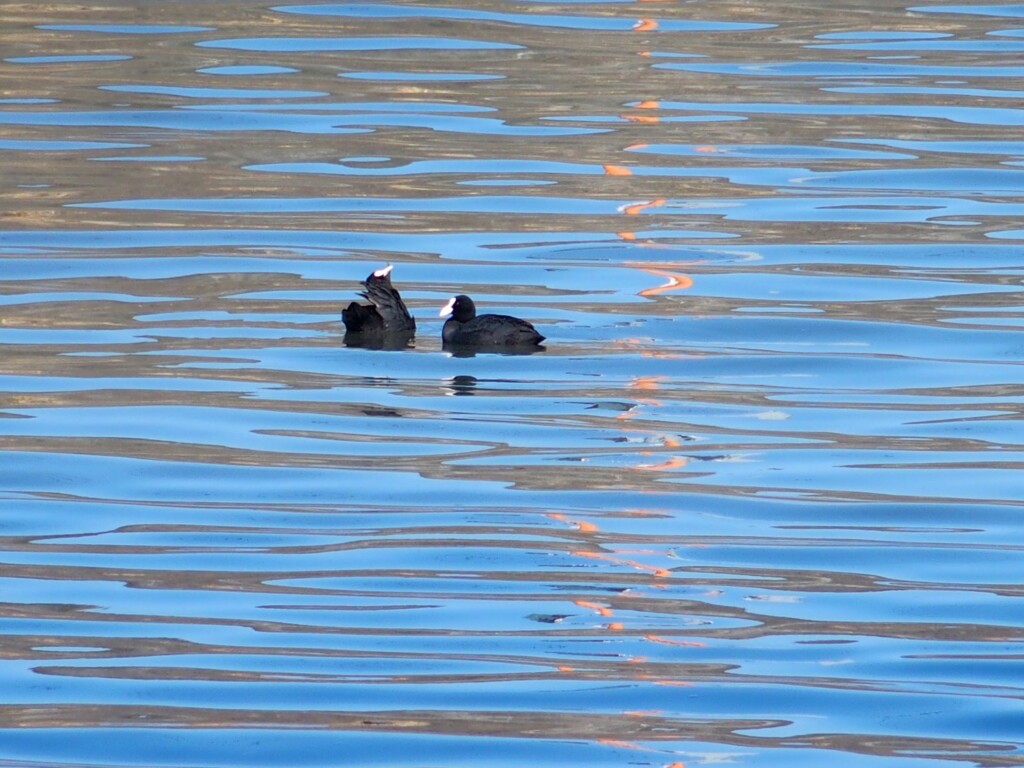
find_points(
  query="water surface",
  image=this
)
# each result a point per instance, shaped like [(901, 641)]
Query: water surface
[(757, 503)]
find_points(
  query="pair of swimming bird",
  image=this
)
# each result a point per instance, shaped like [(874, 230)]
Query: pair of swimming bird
[(387, 315)]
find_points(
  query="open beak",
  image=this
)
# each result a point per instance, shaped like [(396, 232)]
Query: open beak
[(447, 308)]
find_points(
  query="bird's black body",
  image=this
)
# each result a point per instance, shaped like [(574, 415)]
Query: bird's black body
[(385, 321), (465, 328), (362, 318)]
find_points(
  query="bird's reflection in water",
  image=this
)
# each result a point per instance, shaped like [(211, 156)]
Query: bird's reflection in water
[(463, 350), (462, 385), (379, 340)]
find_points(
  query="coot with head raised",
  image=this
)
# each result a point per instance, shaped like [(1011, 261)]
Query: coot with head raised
[(465, 328), (386, 317), (386, 312)]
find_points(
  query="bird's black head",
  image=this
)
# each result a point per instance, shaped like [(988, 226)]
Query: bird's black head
[(460, 307), (380, 276)]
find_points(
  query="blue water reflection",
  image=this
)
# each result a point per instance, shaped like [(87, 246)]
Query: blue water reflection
[(548, 21), (756, 503), (1010, 11), (313, 44), (65, 59), (126, 29)]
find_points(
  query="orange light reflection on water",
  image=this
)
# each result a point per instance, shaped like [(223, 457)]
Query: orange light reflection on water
[(676, 282)]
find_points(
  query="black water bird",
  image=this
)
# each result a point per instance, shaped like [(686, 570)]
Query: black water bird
[(385, 321), (386, 311), (466, 329)]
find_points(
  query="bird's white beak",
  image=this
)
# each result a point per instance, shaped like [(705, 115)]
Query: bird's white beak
[(384, 271), (447, 308)]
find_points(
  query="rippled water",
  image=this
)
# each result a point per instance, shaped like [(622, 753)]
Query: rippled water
[(758, 503)]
